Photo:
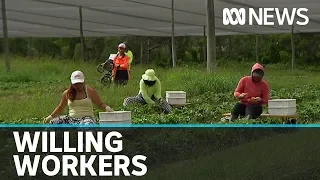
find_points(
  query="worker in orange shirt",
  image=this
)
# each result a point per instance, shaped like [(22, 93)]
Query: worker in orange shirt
[(121, 73)]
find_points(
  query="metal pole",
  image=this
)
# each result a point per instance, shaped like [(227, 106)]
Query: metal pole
[(29, 46), (141, 50), (257, 48), (204, 44), (293, 50), (81, 34), (148, 42), (211, 39), (229, 44), (172, 37), (5, 35)]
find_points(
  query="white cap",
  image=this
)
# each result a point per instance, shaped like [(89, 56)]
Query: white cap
[(122, 45), (77, 77)]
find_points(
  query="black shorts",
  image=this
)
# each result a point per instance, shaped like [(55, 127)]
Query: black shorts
[(122, 75)]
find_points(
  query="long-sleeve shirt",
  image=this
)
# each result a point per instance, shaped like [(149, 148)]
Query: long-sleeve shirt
[(130, 55), (147, 92), (260, 89), (123, 61)]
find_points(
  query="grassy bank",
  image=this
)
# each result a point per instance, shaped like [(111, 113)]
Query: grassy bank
[(283, 156), (34, 87)]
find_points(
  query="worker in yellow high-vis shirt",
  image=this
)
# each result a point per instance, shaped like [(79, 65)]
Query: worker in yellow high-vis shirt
[(129, 53)]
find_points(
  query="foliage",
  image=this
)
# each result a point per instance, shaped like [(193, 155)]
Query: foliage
[(275, 48), (38, 84), (33, 89)]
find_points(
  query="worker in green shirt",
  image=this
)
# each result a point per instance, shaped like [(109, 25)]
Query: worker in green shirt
[(149, 93)]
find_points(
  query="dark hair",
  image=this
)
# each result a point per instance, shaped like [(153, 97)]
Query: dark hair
[(127, 45), (71, 93)]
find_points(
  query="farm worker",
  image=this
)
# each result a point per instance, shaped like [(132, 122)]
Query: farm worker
[(129, 53), (149, 93), (80, 99), (121, 73), (252, 92)]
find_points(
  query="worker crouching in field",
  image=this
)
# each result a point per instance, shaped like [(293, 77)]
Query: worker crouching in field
[(80, 99), (121, 73), (150, 92), (252, 92)]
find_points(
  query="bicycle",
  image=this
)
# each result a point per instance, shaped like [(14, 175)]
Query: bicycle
[(106, 66)]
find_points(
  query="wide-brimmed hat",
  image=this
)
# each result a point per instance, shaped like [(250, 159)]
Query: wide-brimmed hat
[(149, 75), (77, 77)]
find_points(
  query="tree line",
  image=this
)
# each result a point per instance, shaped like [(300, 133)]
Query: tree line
[(275, 48)]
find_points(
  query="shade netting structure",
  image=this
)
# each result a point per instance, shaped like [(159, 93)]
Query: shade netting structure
[(171, 18)]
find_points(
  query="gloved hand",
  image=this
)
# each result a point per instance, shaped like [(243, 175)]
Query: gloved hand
[(109, 109), (161, 100), (150, 105), (47, 119)]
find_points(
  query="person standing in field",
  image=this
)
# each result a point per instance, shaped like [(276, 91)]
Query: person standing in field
[(149, 93), (120, 71), (252, 92), (129, 54), (80, 99)]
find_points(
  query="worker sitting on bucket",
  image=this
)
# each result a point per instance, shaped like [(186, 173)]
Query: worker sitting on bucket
[(252, 92)]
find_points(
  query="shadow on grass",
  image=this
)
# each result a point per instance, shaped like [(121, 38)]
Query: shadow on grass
[(284, 156)]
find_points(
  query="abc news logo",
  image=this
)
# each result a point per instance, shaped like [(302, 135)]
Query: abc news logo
[(264, 17)]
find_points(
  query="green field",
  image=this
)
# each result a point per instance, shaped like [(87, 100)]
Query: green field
[(283, 157), (33, 89)]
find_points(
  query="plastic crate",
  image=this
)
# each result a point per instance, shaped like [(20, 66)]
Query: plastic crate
[(176, 101), (282, 103), (176, 94), (115, 122), (115, 116), (282, 111)]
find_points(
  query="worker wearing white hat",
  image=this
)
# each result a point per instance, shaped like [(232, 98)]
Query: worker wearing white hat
[(80, 99), (121, 73)]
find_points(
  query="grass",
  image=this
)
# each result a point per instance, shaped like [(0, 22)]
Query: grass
[(33, 89), (282, 156)]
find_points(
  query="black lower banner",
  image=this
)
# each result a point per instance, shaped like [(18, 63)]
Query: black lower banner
[(160, 153)]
